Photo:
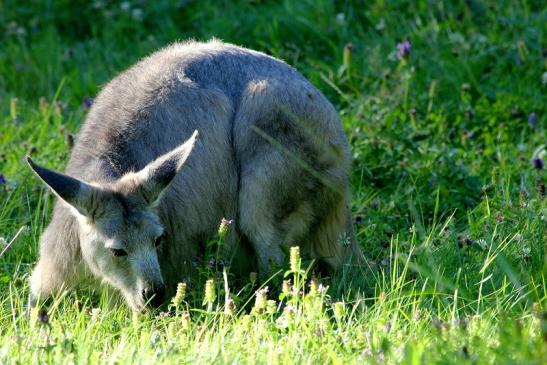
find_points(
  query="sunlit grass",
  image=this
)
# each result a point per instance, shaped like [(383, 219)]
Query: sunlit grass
[(448, 142)]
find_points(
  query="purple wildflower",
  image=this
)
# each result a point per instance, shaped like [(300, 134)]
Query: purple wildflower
[(2, 179), (403, 49), (538, 163), (212, 261), (532, 120), (465, 352), (88, 101), (43, 317)]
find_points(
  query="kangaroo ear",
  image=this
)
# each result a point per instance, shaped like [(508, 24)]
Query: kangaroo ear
[(158, 174), (76, 193)]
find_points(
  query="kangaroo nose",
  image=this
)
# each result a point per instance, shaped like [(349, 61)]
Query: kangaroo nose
[(154, 295)]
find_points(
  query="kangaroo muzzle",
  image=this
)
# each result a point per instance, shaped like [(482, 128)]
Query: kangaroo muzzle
[(153, 295)]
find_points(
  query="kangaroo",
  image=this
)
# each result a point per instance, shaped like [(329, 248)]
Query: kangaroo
[(194, 133)]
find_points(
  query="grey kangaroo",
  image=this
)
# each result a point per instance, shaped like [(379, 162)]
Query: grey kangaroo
[(192, 134)]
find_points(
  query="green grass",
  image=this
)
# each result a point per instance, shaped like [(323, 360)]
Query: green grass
[(448, 197)]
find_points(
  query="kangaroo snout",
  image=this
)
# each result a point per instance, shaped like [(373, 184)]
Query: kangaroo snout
[(154, 295)]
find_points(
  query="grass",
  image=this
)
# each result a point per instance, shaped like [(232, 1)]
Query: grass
[(448, 181)]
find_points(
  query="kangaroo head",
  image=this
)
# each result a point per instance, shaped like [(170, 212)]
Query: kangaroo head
[(119, 228)]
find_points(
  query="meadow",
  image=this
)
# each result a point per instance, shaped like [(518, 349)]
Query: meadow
[(444, 103)]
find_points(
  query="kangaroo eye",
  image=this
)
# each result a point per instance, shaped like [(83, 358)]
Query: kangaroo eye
[(158, 240), (118, 252)]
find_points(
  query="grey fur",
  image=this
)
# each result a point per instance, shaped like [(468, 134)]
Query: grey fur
[(271, 154)]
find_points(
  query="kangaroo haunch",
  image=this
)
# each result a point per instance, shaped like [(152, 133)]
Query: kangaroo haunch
[(143, 191)]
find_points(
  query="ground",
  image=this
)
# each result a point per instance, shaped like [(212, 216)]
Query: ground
[(444, 105)]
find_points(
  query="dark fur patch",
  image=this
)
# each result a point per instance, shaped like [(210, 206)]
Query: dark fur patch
[(165, 172)]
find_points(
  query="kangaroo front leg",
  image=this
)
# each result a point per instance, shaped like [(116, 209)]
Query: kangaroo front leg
[(50, 277), (43, 282), (59, 266), (269, 257)]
